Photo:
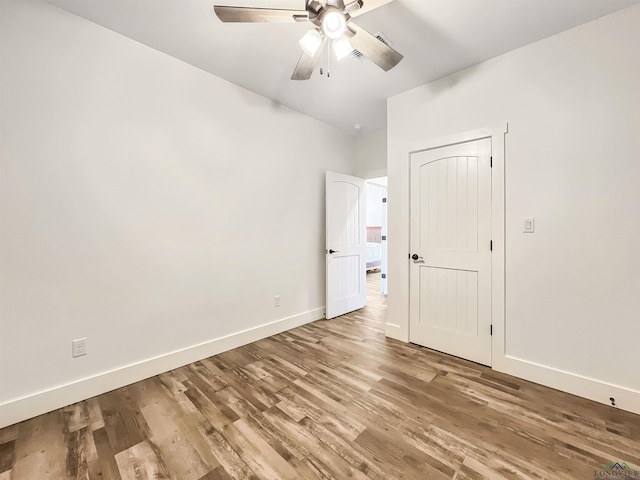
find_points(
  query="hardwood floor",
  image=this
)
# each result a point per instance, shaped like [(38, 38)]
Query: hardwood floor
[(332, 399)]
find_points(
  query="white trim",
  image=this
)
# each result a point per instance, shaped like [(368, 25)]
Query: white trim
[(396, 331), (586, 387), (498, 257), (497, 134), (29, 406), (375, 174), (463, 137)]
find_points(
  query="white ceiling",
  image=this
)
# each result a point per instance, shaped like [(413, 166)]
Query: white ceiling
[(437, 37)]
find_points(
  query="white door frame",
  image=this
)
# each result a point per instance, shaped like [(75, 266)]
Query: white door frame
[(497, 135), (383, 231)]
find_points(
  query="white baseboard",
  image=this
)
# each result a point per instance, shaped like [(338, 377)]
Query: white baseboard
[(396, 332), (29, 406), (596, 390)]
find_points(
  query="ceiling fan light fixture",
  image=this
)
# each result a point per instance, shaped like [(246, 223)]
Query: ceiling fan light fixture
[(311, 42), (331, 20), (341, 47), (334, 24)]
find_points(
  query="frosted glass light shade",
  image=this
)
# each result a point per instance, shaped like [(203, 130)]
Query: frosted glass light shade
[(311, 42), (334, 24), (341, 47)]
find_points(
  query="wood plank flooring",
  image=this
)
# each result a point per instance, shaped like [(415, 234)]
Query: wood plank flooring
[(332, 399)]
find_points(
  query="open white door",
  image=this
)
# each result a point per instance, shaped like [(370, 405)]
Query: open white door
[(346, 248)]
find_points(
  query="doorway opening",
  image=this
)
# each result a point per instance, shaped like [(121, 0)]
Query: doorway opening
[(376, 261)]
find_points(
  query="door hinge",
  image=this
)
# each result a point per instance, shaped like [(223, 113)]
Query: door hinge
[(384, 200), (491, 162), (491, 245), (384, 275), (491, 330)]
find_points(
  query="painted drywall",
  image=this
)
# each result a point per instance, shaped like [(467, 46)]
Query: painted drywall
[(371, 154), (375, 194), (572, 103), (145, 204)]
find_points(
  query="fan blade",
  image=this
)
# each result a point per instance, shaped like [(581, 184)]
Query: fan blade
[(306, 64), (368, 5), (246, 14), (378, 52)]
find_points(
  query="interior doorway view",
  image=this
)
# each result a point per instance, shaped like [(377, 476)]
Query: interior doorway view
[(377, 230), (356, 226)]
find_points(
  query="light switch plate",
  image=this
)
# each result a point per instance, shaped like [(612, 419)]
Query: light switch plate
[(528, 225)]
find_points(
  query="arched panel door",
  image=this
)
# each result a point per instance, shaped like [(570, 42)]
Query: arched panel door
[(346, 244), (450, 272)]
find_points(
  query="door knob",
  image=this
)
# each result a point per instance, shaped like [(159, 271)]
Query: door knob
[(416, 257), (333, 251)]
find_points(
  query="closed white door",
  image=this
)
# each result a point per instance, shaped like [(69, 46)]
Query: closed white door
[(346, 247), (450, 271)]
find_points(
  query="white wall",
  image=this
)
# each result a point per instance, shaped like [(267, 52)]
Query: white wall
[(375, 194), (572, 103), (371, 154), (146, 205)]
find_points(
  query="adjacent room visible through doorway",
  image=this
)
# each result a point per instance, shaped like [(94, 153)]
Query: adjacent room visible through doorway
[(377, 230)]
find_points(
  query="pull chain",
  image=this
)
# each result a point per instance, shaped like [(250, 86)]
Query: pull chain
[(321, 59), (328, 59)]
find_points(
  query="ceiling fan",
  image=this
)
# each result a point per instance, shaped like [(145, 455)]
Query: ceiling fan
[(332, 23)]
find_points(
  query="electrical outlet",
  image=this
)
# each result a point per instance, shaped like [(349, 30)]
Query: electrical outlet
[(79, 347), (276, 301)]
